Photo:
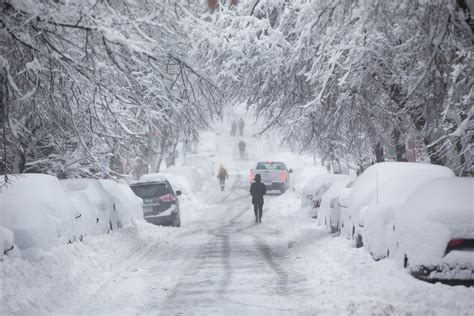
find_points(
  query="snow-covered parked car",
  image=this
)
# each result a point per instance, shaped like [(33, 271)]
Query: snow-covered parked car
[(377, 217), (35, 208), (127, 205), (160, 201), (107, 219), (316, 187), (329, 212), (433, 231), (366, 187)]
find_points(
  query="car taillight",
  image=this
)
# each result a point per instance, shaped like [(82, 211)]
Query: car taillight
[(455, 242), (283, 176), (168, 198)]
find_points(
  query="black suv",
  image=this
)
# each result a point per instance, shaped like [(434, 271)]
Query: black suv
[(160, 203)]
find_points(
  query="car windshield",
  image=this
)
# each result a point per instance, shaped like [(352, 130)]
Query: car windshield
[(147, 191), (270, 166)]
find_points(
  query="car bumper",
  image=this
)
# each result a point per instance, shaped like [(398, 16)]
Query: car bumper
[(168, 217), (456, 265), (275, 186)]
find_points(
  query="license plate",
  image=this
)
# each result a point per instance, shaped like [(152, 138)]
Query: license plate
[(148, 209)]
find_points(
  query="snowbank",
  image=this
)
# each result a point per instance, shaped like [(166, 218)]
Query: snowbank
[(42, 211), (36, 209), (68, 271)]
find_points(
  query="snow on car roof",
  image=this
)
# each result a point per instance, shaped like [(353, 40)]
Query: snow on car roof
[(446, 200), (377, 175)]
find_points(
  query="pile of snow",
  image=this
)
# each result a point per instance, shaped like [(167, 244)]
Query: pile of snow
[(437, 212), (41, 211), (37, 210), (70, 272), (7, 245)]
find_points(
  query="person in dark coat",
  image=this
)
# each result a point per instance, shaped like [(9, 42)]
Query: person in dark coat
[(242, 149), (241, 127), (258, 190)]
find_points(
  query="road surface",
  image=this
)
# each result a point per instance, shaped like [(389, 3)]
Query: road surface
[(219, 264)]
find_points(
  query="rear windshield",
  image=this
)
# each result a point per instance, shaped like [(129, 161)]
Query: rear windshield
[(148, 191), (270, 166)]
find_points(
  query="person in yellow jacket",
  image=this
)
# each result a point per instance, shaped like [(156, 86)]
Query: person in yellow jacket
[(222, 175)]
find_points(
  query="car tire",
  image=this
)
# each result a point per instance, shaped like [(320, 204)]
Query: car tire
[(177, 222)]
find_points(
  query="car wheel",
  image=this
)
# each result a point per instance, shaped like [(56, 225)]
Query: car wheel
[(177, 222)]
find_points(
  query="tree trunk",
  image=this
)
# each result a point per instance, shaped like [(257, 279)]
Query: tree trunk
[(433, 152), (400, 148), (379, 155)]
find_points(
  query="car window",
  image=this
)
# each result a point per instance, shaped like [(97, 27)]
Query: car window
[(146, 191), (270, 166)]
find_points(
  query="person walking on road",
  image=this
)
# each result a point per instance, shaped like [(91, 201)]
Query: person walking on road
[(222, 175), (258, 190), (242, 149), (233, 128), (241, 127)]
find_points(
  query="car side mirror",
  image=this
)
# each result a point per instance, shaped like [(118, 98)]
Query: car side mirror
[(290, 171), (178, 193)]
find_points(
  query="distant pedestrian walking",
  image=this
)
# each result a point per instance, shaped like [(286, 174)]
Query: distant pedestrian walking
[(233, 128), (222, 175), (242, 149), (258, 190), (241, 127)]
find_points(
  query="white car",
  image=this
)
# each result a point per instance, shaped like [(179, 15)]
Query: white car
[(377, 217), (367, 186), (329, 212), (432, 233), (317, 186)]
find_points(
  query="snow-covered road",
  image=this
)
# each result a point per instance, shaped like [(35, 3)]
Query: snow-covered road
[(220, 264)]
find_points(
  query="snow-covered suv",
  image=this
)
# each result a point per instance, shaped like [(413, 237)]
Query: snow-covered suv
[(160, 203)]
